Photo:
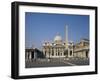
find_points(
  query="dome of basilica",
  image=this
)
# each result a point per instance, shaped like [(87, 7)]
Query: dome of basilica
[(58, 38)]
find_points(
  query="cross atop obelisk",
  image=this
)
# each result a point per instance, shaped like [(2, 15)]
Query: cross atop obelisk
[(66, 36)]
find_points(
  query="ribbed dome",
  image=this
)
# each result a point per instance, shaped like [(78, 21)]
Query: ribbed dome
[(58, 38)]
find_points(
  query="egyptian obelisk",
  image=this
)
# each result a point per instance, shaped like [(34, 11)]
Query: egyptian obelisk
[(66, 37)]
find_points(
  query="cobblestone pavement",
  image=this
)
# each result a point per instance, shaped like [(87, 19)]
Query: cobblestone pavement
[(56, 62)]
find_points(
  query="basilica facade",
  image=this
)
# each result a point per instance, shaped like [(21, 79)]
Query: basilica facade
[(57, 49)]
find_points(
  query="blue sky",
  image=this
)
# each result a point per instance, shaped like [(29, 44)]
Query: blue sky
[(45, 26)]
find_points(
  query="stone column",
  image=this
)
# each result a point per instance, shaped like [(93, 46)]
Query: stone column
[(54, 51), (26, 56), (72, 53), (62, 52), (57, 52), (30, 56), (35, 55), (51, 52), (68, 52), (47, 53), (43, 51)]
